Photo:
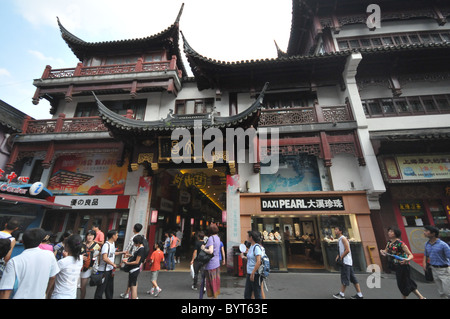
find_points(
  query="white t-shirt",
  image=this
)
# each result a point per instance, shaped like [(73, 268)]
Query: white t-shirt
[(4, 234), (111, 256), (30, 272), (67, 279)]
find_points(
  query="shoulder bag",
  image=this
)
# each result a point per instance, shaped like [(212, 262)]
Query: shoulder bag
[(98, 277), (203, 257)]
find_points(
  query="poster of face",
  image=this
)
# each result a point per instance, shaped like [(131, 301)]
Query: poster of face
[(296, 173), (88, 174)]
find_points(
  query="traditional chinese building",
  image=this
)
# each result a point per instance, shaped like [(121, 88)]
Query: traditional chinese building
[(341, 115)]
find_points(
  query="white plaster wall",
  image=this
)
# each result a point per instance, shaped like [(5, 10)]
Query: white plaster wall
[(344, 170), (329, 96)]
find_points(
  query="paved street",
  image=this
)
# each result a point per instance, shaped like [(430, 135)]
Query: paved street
[(319, 285)]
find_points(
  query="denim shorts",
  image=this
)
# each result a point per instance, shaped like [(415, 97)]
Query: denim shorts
[(348, 275)]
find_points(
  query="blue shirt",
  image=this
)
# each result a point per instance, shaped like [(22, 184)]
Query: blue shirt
[(253, 251), (438, 253)]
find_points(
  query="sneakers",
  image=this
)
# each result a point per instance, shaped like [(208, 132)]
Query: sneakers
[(151, 291), (124, 295), (158, 290), (338, 296), (194, 288)]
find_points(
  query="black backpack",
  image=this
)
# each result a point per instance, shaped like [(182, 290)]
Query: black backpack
[(146, 248)]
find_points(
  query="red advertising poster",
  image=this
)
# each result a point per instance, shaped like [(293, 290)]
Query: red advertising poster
[(88, 174)]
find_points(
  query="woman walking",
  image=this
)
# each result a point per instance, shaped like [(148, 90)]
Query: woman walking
[(212, 268), (397, 247), (134, 263), (254, 254), (90, 251)]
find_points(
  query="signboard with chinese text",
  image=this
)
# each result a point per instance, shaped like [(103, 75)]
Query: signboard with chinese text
[(93, 202), (416, 167), (303, 204)]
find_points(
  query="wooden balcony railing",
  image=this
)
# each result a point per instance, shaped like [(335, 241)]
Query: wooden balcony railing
[(305, 115), (140, 66), (63, 125)]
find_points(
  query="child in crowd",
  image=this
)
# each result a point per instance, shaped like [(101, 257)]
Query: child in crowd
[(156, 258)]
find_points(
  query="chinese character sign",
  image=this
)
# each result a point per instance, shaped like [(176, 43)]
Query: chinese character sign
[(302, 204)]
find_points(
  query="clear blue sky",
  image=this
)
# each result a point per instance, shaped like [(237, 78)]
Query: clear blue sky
[(231, 30)]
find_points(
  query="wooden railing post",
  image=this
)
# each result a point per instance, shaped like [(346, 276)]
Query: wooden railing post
[(77, 71), (59, 123), (139, 63), (25, 123), (46, 73), (173, 63)]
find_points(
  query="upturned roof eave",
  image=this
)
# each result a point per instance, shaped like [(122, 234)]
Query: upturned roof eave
[(172, 122)]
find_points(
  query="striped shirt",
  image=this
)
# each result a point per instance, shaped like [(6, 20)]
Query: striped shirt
[(438, 253)]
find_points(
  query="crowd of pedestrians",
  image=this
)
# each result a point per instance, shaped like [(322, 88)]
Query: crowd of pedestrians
[(57, 272)]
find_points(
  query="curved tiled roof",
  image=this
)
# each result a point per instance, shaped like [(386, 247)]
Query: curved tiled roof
[(166, 38), (173, 121)]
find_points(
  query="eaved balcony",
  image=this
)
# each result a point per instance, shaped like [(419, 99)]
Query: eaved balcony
[(308, 117), (134, 78)]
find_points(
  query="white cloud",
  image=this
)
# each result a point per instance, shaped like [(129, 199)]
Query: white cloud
[(40, 56), (224, 30), (4, 72)]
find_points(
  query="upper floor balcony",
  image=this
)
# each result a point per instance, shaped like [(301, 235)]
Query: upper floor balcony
[(131, 77), (317, 114)]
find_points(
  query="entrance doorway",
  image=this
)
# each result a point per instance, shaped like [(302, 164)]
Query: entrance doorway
[(188, 200), (294, 242)]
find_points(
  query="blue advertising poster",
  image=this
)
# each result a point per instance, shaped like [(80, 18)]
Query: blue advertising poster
[(296, 173)]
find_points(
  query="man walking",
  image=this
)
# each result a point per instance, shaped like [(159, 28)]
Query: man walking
[(108, 266), (33, 270), (347, 273), (437, 253)]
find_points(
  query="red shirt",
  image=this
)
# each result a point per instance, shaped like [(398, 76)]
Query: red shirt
[(100, 237), (157, 257)]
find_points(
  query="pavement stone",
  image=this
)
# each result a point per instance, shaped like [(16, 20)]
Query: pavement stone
[(282, 286)]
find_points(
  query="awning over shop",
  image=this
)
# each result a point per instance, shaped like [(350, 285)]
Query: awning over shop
[(14, 199)]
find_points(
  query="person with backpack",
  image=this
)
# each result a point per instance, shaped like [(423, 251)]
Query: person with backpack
[(133, 264), (254, 261), (59, 247), (65, 284), (91, 251)]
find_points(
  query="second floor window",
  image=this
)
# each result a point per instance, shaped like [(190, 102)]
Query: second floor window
[(289, 100), (394, 39), (120, 107), (194, 106)]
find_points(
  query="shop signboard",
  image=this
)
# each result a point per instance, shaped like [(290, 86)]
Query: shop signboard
[(93, 202), (88, 174), (335, 203), (416, 167)]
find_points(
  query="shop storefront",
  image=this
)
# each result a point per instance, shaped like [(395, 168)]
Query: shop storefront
[(298, 228), (418, 194), (93, 186)]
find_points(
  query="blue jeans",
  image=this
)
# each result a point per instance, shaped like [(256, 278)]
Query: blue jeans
[(171, 258)]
